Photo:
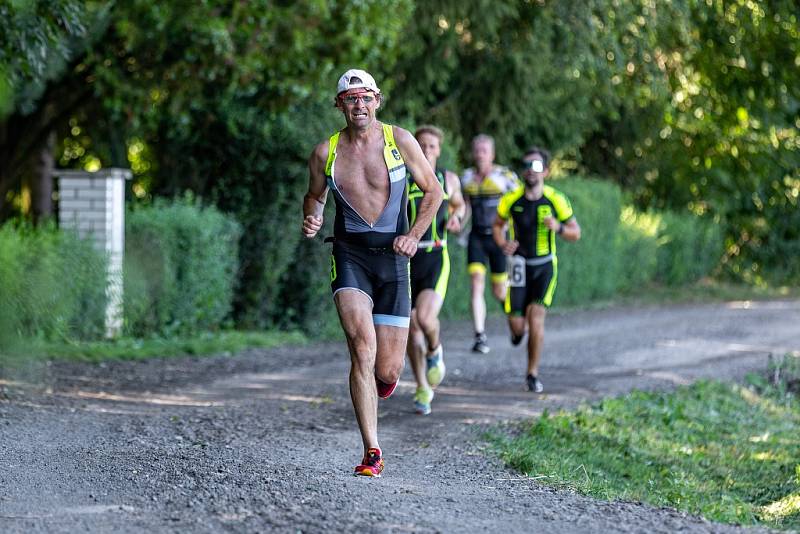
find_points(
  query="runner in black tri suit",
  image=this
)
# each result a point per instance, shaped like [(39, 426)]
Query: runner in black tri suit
[(536, 213), (364, 165), (430, 271), (483, 186)]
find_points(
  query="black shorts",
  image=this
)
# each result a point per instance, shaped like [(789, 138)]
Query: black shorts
[(429, 270), (538, 287), (380, 274), (482, 249)]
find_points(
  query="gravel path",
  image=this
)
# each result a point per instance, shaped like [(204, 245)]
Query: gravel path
[(266, 440)]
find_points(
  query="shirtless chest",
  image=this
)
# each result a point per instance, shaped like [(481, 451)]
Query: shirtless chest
[(362, 178)]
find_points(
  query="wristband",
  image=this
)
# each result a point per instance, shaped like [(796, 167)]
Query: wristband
[(560, 229)]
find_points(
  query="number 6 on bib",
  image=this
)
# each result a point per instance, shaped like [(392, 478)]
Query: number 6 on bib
[(516, 271)]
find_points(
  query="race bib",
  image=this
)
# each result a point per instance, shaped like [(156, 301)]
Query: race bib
[(516, 271)]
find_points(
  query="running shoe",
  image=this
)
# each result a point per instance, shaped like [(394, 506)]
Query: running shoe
[(480, 344), (385, 390), (371, 465), (534, 384), (422, 401), (435, 365), (516, 340)]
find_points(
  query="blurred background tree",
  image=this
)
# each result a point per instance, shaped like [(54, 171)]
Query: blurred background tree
[(689, 105)]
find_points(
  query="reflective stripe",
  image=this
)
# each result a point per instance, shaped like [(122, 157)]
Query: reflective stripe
[(390, 320), (432, 243), (476, 267), (444, 275), (539, 261), (551, 288)]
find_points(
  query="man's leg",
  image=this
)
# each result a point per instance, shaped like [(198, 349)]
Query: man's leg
[(355, 315), (535, 317), (427, 312), (390, 352), (517, 324), (416, 348), (499, 287), (478, 283), (429, 303)]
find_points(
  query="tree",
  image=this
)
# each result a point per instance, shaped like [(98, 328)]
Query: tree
[(725, 142), (37, 93)]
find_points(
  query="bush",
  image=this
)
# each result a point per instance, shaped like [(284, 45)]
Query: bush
[(637, 249), (181, 262), (52, 285), (689, 247), (589, 269)]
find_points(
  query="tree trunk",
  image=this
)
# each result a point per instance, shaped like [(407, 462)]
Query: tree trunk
[(42, 180)]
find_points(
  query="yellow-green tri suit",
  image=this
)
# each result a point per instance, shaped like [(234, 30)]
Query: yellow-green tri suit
[(533, 270), (430, 266), (363, 258), (484, 196)]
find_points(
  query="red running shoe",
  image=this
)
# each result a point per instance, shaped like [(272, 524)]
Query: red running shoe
[(371, 465), (385, 390)]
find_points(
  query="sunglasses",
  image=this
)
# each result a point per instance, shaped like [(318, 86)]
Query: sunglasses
[(536, 165), (353, 99)]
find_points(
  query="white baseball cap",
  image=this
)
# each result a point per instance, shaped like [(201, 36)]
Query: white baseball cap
[(355, 79)]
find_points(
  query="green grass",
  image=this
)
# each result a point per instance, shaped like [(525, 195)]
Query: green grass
[(709, 290), (137, 349), (729, 453)]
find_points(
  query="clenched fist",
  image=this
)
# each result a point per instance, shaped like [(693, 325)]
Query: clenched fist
[(311, 225), (405, 245)]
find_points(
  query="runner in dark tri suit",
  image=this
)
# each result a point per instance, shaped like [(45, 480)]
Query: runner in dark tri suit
[(536, 213), (483, 185), (430, 271), (364, 165)]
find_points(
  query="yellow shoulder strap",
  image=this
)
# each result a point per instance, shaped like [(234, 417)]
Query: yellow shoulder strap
[(334, 140), (388, 135), (391, 154)]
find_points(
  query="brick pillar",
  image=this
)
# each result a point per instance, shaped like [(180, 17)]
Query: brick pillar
[(93, 204)]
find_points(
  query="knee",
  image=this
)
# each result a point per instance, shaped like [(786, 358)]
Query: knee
[(477, 281), (389, 372), (426, 319)]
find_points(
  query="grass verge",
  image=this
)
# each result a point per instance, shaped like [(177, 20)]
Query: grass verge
[(137, 349), (727, 452), (709, 290)]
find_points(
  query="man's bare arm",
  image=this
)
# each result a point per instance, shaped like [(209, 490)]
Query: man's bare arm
[(426, 180), (467, 210), (570, 230), (499, 235), (314, 200), (458, 208)]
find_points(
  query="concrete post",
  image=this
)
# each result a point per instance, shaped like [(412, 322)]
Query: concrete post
[(93, 204)]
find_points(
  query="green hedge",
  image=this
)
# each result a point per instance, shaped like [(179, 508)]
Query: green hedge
[(637, 247), (689, 248), (49, 285), (589, 269), (181, 261)]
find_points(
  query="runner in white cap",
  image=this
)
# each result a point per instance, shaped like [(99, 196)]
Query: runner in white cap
[(364, 166)]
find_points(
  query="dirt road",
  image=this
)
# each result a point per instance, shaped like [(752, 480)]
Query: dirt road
[(266, 440)]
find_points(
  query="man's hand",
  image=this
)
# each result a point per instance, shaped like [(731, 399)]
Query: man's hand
[(510, 247), (453, 225), (552, 223), (311, 225), (405, 245)]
